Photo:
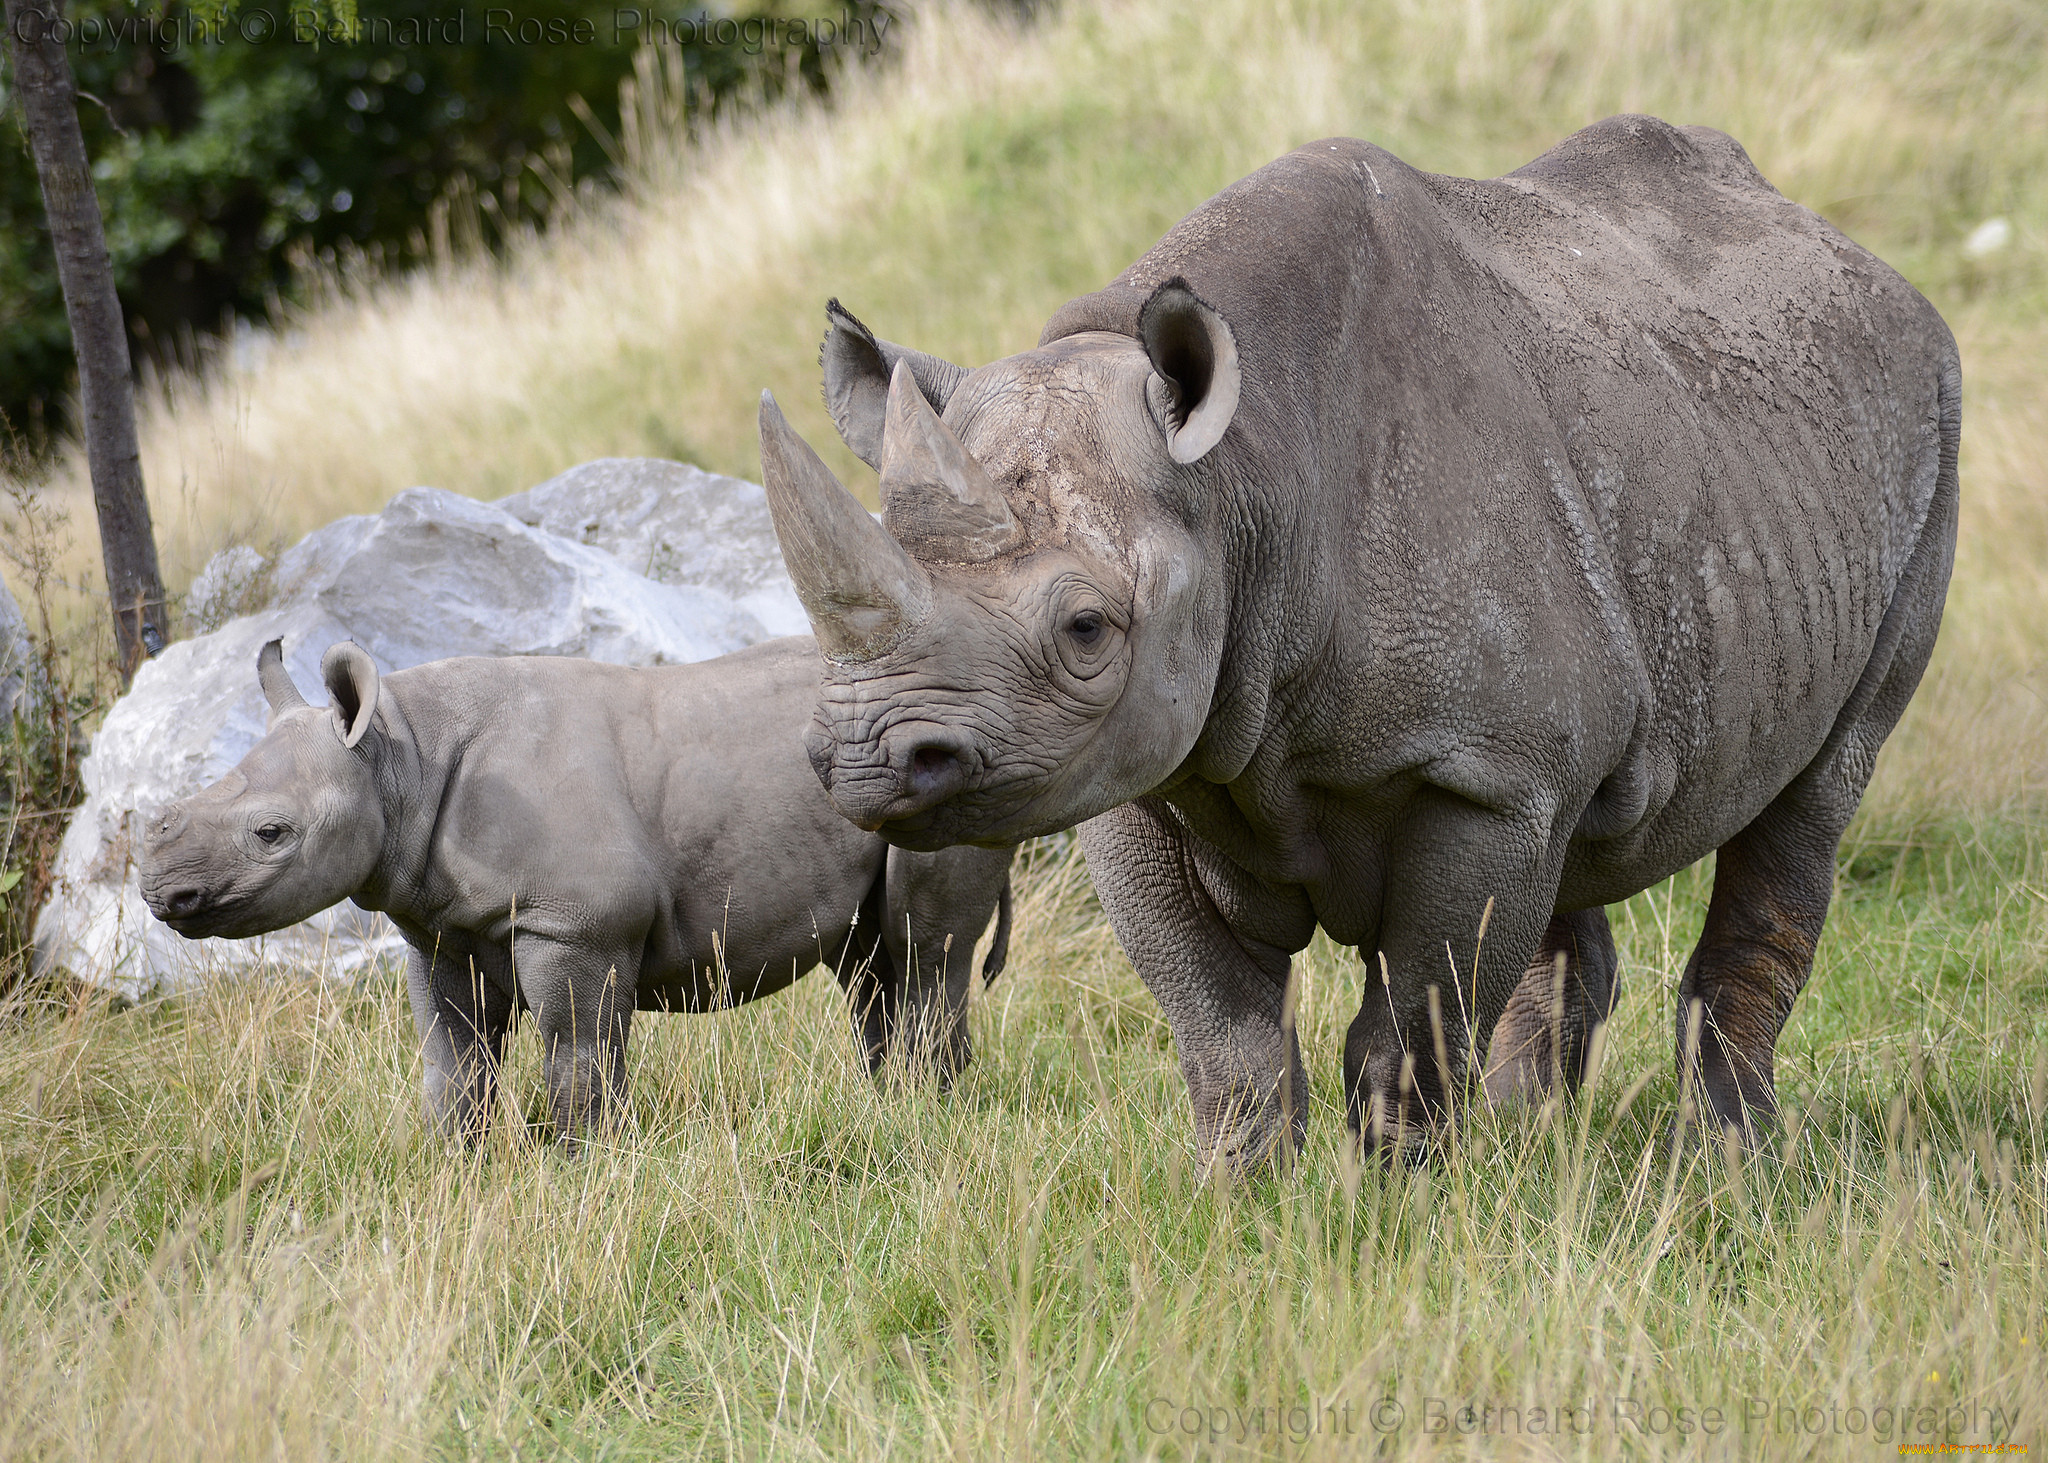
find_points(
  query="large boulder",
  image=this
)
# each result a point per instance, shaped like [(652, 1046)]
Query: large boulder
[(14, 656), (676, 524), (435, 574)]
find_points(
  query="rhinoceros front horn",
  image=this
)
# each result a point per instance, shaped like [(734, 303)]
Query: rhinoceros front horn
[(859, 587), (935, 496)]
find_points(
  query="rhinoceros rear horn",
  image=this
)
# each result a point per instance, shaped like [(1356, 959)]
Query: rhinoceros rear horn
[(860, 589), (276, 681), (935, 497), (1194, 356), (351, 678)]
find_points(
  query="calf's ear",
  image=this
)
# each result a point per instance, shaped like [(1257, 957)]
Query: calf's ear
[(858, 368), (1195, 380), (351, 678)]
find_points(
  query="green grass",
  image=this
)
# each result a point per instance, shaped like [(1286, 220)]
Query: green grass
[(222, 1234)]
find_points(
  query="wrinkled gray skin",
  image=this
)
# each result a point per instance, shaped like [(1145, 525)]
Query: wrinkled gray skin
[(625, 839), (1403, 554)]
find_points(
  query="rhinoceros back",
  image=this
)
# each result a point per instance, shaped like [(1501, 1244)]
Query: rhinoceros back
[(1735, 416), (1756, 410)]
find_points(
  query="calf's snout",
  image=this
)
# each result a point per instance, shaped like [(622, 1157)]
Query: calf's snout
[(182, 902)]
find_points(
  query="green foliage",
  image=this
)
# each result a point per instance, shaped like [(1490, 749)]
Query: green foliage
[(68, 681), (231, 144)]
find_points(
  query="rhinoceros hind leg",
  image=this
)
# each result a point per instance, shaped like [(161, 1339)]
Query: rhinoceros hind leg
[(1773, 880), (1772, 883), (1543, 1036)]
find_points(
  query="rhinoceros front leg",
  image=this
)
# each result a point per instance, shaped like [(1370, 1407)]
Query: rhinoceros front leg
[(582, 1002), (1568, 990), (936, 907), (463, 1006), (1214, 946), (1408, 1056)]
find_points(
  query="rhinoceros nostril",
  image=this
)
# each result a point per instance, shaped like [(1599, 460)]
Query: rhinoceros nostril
[(935, 770), (184, 901), (929, 761)]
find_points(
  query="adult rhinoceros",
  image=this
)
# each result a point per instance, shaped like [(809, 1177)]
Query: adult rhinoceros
[(1384, 547)]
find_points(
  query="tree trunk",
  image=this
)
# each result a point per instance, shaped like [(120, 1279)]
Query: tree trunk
[(36, 32)]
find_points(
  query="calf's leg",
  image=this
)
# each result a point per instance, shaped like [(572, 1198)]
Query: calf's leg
[(870, 979), (936, 906), (582, 1002), (462, 1005)]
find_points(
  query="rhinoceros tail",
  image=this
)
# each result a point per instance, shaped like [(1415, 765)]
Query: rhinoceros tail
[(999, 948)]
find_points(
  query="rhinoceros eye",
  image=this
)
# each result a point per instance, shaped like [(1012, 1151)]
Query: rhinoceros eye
[(1086, 628), (270, 832)]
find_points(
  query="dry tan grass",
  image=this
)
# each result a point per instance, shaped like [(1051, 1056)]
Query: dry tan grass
[(956, 198)]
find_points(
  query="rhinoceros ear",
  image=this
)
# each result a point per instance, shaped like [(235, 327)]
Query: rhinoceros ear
[(276, 681), (351, 678), (857, 372), (1194, 357)]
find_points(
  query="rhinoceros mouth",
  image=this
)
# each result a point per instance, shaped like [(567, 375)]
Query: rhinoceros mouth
[(971, 817)]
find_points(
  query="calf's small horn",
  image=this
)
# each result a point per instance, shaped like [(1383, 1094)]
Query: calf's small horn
[(935, 496), (276, 681), (859, 587)]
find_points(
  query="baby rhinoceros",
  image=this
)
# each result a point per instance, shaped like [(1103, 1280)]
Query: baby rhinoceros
[(581, 841)]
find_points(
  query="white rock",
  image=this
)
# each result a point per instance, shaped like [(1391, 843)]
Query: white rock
[(1987, 238), (435, 574), (15, 656), (230, 578), (438, 574)]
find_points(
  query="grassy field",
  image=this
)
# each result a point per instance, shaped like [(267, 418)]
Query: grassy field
[(222, 1235), (225, 1236)]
